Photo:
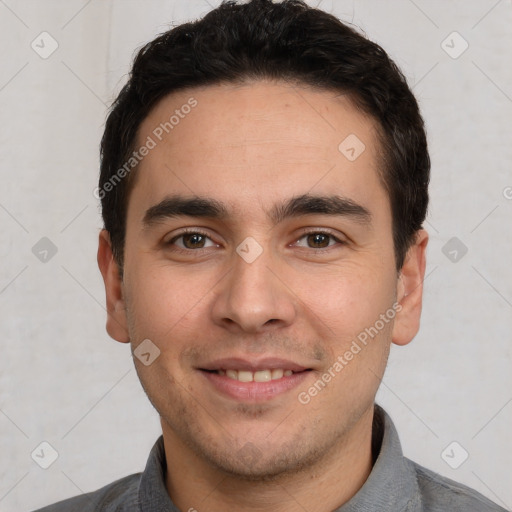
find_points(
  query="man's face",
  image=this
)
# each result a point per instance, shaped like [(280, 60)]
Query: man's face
[(261, 283)]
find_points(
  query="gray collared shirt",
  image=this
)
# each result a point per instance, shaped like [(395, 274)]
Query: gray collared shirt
[(395, 484)]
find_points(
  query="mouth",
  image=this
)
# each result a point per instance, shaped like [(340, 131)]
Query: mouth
[(254, 381), (256, 376)]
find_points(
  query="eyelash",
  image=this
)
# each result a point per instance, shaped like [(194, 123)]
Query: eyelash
[(196, 231), (321, 232)]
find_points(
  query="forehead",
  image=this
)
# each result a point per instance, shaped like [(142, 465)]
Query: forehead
[(257, 141)]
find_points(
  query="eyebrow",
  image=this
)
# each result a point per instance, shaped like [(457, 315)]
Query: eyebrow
[(306, 204), (179, 206)]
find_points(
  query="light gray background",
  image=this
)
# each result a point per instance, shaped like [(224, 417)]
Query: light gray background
[(62, 380)]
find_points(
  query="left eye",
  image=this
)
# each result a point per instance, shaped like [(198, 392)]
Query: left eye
[(192, 241), (318, 240), (197, 240)]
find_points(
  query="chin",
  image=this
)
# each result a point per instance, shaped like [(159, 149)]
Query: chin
[(254, 464)]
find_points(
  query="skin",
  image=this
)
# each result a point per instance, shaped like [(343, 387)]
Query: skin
[(251, 146)]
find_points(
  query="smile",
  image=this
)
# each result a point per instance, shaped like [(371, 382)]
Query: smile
[(253, 385), (258, 376)]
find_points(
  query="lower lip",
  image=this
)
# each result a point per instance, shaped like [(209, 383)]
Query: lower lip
[(254, 391)]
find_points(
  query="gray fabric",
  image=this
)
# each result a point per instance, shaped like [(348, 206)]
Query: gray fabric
[(395, 484)]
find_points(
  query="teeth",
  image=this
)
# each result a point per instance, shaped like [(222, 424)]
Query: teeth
[(259, 376), (244, 376), (262, 376), (277, 374)]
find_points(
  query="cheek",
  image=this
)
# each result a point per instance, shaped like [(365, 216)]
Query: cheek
[(346, 298), (164, 300)]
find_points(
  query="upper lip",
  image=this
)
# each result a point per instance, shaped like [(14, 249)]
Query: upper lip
[(252, 365)]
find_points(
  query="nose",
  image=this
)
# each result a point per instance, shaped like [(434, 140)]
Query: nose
[(253, 298)]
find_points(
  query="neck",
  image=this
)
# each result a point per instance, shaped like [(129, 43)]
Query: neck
[(195, 485)]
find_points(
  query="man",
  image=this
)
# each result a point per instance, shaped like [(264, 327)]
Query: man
[(264, 183)]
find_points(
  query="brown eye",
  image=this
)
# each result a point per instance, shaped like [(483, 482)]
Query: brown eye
[(194, 241), (191, 240), (318, 240)]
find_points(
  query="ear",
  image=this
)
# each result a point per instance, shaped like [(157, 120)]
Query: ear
[(116, 308), (410, 291)]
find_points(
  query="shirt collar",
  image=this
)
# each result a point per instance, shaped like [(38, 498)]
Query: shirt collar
[(153, 496), (390, 487)]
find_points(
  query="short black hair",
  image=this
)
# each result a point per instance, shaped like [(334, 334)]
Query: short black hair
[(287, 41)]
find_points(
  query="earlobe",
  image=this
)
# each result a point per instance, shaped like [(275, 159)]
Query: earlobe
[(116, 307), (410, 291)]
